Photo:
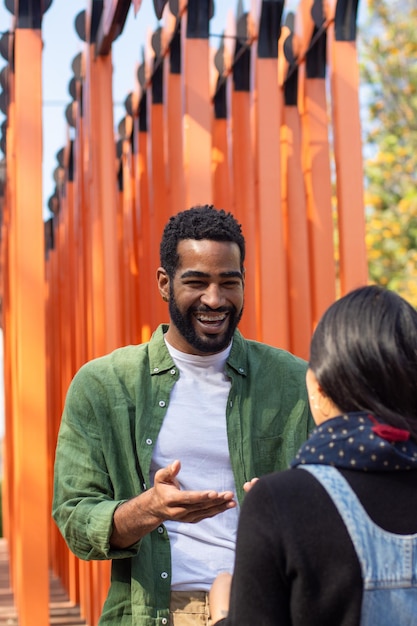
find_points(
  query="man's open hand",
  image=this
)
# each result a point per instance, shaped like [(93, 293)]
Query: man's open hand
[(165, 501)]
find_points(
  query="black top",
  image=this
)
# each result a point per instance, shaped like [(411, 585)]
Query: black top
[(295, 562)]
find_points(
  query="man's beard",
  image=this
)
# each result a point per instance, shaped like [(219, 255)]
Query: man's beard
[(208, 343)]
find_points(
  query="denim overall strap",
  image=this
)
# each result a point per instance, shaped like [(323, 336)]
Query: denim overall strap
[(388, 561)]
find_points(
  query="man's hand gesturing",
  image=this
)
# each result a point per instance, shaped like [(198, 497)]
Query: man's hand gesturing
[(165, 501)]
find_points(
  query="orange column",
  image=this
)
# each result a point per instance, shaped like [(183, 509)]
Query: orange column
[(123, 286), (158, 198), (87, 592), (128, 247), (197, 106), (175, 131), (71, 560), (273, 270), (222, 128), (30, 428), (344, 79), (86, 213), (62, 319), (147, 277), (294, 200), (70, 283), (9, 332), (128, 191), (80, 212), (222, 167), (7, 450), (244, 186), (134, 277), (53, 326), (101, 240), (90, 293), (102, 200), (317, 176), (70, 322)]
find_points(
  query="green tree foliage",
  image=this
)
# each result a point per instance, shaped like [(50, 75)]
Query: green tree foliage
[(388, 47)]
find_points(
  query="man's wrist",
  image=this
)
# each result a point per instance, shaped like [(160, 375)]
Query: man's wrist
[(132, 520)]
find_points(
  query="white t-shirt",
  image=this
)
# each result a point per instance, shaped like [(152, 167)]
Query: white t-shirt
[(194, 431)]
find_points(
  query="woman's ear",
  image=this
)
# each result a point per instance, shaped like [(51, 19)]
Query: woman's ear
[(312, 385), (321, 406)]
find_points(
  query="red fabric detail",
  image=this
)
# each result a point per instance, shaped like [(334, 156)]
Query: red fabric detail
[(387, 432)]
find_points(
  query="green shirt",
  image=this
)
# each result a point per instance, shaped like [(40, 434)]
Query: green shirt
[(113, 412)]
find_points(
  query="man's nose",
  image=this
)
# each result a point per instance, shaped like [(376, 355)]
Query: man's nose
[(212, 296)]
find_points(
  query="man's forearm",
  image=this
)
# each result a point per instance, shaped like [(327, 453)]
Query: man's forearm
[(133, 520)]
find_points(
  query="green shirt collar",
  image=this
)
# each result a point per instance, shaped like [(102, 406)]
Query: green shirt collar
[(160, 359)]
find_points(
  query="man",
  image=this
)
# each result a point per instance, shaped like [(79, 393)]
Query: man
[(157, 437)]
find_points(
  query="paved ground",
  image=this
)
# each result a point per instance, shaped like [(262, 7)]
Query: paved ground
[(61, 611)]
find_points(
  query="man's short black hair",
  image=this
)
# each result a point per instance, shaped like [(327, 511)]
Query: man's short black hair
[(199, 222)]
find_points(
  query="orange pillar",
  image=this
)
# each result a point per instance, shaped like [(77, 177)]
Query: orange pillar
[(134, 218), (30, 428), (158, 198), (80, 212), (63, 323), (128, 252), (9, 332), (147, 277), (244, 187), (53, 371), (86, 212), (73, 321), (344, 79), (175, 130), (124, 288), (8, 285), (102, 247), (317, 174), (222, 128), (102, 200), (294, 200), (273, 270), (197, 106), (7, 450), (222, 167)]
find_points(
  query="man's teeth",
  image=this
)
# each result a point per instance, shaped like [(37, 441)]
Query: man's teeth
[(211, 318)]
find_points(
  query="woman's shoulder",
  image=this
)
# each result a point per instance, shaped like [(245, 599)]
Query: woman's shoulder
[(287, 490)]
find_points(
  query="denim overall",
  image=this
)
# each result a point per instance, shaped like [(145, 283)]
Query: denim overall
[(388, 561)]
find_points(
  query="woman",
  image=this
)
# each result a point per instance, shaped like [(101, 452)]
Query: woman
[(296, 563)]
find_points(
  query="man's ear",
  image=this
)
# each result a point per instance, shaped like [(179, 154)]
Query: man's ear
[(163, 283)]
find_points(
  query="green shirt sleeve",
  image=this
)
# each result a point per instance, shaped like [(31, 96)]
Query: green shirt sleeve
[(84, 501)]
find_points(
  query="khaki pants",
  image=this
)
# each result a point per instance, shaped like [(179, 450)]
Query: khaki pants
[(189, 608)]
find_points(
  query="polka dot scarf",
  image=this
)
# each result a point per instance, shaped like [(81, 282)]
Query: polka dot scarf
[(359, 441)]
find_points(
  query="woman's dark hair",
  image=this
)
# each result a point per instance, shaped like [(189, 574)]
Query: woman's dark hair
[(364, 355), (199, 222)]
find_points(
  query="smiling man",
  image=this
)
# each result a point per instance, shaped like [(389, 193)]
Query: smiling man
[(205, 294), (158, 440)]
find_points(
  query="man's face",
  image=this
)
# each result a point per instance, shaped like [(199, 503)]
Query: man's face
[(205, 296)]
